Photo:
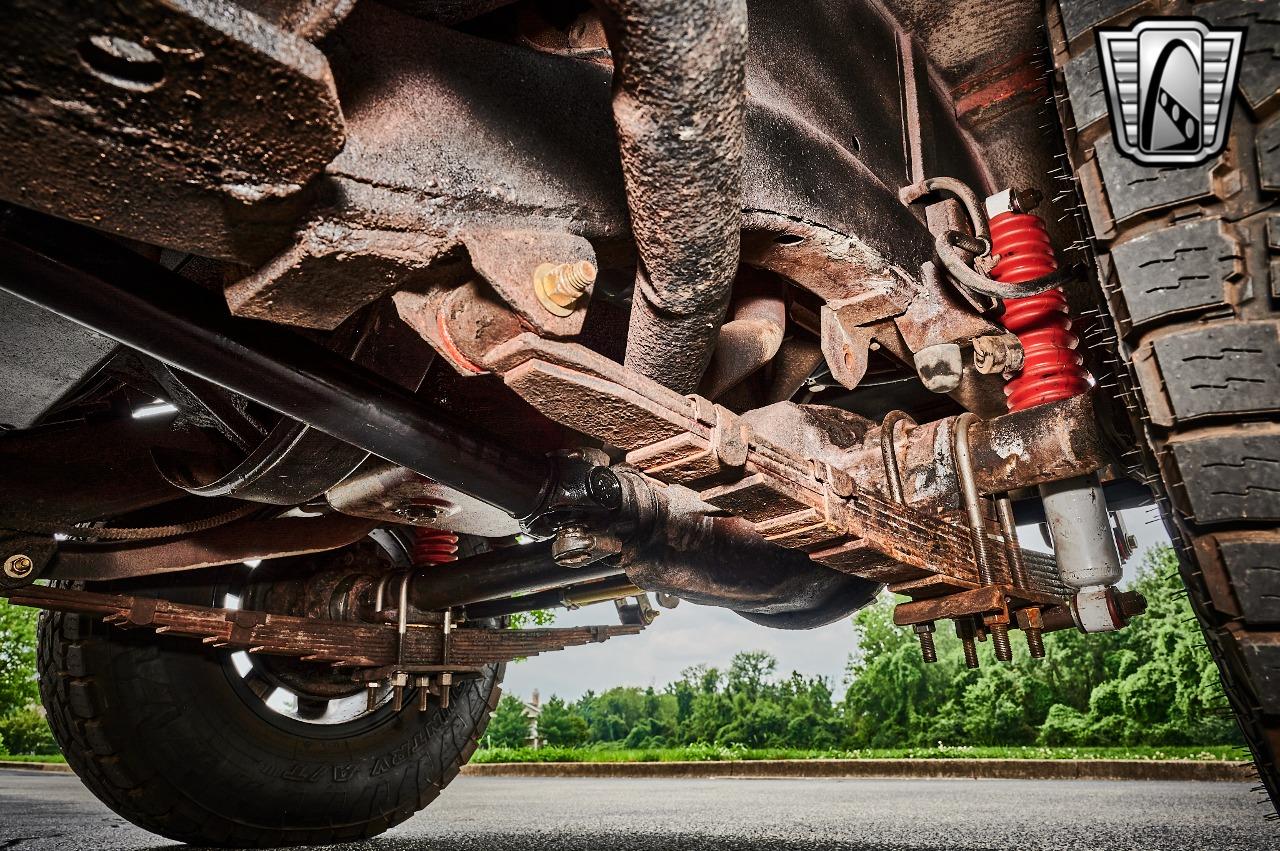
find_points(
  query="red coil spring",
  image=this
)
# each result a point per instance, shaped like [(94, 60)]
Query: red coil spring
[(1051, 368), (433, 546)]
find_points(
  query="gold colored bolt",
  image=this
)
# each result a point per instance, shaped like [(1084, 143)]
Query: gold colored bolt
[(18, 566), (559, 286)]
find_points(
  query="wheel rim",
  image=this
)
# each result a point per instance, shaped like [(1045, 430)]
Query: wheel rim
[(307, 699)]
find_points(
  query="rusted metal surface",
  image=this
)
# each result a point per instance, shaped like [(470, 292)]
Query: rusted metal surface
[(462, 324), (309, 19), (750, 338), (624, 141), (387, 492), (979, 601), (793, 500), (394, 207), (1026, 448), (339, 643), (724, 561), (153, 95), (333, 269), (678, 105), (508, 260), (797, 358), (230, 544)]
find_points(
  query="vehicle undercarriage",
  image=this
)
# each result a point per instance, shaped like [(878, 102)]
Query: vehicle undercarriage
[(336, 333)]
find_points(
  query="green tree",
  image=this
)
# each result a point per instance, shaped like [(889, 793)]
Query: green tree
[(18, 686), (1150, 683), (509, 727), (560, 726)]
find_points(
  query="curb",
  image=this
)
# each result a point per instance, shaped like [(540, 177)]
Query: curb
[(58, 767), (985, 769), (970, 769)]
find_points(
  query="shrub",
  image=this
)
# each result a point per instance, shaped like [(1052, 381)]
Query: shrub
[(1105, 700), (26, 731), (1064, 726)]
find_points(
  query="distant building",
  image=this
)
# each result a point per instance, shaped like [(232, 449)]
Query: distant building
[(532, 710)]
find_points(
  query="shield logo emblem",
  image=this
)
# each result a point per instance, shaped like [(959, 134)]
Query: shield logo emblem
[(1169, 84)]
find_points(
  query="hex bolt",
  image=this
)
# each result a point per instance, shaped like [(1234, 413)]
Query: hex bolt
[(398, 682), (446, 683), (965, 630), (424, 693), (18, 566), (371, 694), (1000, 642), (1035, 642), (559, 286), (924, 631)]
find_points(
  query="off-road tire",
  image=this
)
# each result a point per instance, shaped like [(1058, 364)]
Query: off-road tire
[(153, 727), (1189, 265)]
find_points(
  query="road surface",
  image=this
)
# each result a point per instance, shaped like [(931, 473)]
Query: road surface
[(53, 811)]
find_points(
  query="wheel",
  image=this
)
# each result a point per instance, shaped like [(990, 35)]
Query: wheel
[(1190, 274), (220, 748)]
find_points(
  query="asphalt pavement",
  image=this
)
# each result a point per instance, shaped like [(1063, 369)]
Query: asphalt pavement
[(53, 811)]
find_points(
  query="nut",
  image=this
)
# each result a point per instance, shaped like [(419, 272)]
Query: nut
[(559, 286), (18, 566)]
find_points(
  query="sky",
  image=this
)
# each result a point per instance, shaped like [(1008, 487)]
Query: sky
[(690, 635)]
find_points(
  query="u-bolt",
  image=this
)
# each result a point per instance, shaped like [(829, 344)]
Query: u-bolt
[(969, 491), (889, 454)]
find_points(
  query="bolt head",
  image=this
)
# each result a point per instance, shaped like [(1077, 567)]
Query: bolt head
[(18, 566), (604, 487)]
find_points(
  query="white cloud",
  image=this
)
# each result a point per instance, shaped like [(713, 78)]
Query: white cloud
[(681, 637)]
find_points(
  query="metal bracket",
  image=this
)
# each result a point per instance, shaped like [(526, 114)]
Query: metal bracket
[(730, 438), (640, 613)]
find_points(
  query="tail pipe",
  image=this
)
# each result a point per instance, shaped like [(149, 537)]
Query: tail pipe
[(1053, 370)]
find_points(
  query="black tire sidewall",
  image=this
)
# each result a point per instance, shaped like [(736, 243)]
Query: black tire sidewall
[(179, 711), (162, 722)]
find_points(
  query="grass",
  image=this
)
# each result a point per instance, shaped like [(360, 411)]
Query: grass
[(27, 757), (700, 753), (714, 753)]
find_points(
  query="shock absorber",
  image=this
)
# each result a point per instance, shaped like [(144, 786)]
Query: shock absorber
[(433, 546), (1052, 370)]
